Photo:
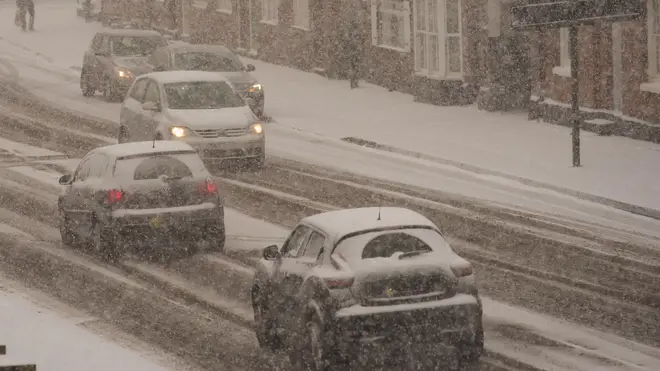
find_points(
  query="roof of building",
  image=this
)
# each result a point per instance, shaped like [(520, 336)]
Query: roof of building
[(169, 77), (340, 223), (148, 147)]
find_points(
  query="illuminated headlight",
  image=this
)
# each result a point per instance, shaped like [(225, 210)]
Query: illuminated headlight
[(255, 88), (256, 128), (180, 131), (123, 73)]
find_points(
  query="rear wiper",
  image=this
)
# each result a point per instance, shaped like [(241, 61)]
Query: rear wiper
[(412, 254), (166, 178)]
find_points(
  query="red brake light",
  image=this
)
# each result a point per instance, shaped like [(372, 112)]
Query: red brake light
[(114, 195), (208, 187), (462, 270), (334, 283)]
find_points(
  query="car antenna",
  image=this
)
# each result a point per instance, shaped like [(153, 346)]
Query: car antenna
[(379, 207), (154, 143)]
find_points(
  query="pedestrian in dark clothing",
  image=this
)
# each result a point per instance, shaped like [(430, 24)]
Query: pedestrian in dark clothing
[(26, 6), (173, 8), (352, 47)]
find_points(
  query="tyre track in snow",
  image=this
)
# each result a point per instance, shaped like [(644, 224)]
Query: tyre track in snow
[(548, 268)]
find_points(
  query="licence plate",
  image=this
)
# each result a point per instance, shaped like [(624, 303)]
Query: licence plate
[(157, 221)]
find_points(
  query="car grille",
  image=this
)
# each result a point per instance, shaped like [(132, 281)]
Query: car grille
[(410, 286), (242, 88), (215, 133)]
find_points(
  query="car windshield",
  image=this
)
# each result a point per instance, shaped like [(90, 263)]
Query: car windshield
[(386, 244), (211, 62), (135, 46), (202, 95), (173, 166)]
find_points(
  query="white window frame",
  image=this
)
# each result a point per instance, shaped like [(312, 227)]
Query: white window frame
[(442, 36), (301, 15), (653, 42), (378, 11), (222, 6), (564, 67), (270, 11)]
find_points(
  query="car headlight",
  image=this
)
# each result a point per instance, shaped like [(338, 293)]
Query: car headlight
[(256, 128), (121, 72), (255, 88), (180, 131)]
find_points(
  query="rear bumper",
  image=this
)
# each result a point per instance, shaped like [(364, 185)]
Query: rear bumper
[(186, 223), (450, 321)]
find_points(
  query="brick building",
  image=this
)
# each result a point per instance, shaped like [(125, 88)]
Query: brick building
[(619, 74)]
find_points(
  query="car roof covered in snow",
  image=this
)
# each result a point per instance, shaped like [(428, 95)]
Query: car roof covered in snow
[(210, 48), (169, 77), (144, 148), (340, 223), (130, 32)]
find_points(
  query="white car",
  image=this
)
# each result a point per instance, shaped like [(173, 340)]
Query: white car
[(200, 108)]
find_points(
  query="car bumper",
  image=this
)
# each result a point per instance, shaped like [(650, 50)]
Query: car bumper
[(450, 321), (185, 223), (122, 84), (250, 146)]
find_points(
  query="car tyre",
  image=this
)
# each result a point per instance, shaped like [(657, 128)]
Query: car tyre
[(470, 354), (217, 241), (122, 136), (69, 238), (87, 89), (109, 93), (103, 243), (316, 354), (264, 327)]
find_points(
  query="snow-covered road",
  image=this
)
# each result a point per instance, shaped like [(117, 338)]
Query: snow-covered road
[(311, 115)]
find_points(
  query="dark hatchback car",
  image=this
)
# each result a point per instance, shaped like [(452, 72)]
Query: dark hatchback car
[(115, 58), (212, 58), (374, 281), (142, 194)]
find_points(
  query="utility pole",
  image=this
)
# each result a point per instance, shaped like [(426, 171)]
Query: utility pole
[(575, 92)]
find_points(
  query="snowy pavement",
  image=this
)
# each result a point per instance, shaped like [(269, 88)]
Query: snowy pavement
[(550, 343), (38, 330), (312, 114)]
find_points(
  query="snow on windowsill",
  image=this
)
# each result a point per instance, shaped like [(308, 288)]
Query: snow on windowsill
[(302, 28), (224, 11), (270, 23), (393, 48), (562, 71), (650, 87), (200, 4), (594, 110), (452, 77)]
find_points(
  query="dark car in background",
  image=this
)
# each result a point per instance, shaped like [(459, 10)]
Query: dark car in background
[(141, 195), (366, 281), (211, 58), (115, 58)]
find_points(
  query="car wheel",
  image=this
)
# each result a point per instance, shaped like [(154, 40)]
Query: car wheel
[(217, 241), (108, 91), (104, 244), (471, 353), (122, 136), (316, 355), (264, 329), (87, 89), (69, 237)]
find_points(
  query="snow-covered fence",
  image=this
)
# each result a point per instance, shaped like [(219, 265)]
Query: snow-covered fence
[(7, 365)]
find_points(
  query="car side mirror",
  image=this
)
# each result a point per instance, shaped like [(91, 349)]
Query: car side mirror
[(271, 252), (151, 106), (250, 68), (66, 179)]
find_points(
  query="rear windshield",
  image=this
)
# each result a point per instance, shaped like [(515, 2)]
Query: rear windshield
[(202, 95), (204, 61), (385, 244), (154, 167), (135, 46)]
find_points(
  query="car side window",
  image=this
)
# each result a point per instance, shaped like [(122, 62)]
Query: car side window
[(82, 173), (295, 241), (314, 245), (158, 58), (153, 93), (97, 42), (98, 166), (105, 44), (138, 90)]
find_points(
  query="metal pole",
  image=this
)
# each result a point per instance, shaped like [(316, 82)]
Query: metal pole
[(575, 89)]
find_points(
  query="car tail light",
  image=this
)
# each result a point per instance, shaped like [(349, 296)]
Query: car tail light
[(113, 196), (462, 270), (208, 187), (339, 283)]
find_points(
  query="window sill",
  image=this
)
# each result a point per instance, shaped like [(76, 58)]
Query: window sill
[(270, 23), (301, 28), (562, 71), (393, 48), (200, 5), (451, 77), (651, 87), (224, 11)]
